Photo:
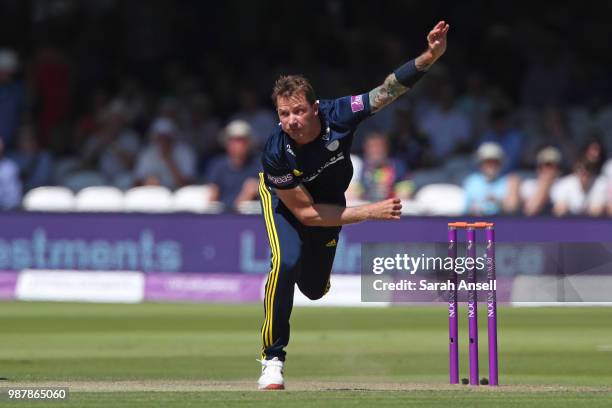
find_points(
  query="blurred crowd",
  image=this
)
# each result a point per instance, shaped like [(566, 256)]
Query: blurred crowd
[(527, 131)]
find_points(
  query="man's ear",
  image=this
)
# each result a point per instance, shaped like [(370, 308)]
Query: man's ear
[(315, 107)]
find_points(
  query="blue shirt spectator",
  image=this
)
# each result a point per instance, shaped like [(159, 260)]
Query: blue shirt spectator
[(233, 177), (487, 192), (484, 196)]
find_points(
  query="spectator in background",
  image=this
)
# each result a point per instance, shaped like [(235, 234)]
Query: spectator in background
[(487, 191), (447, 128), (382, 176), (10, 186), (536, 192), (233, 176), (594, 152), (113, 148), (507, 136), (35, 164), (261, 119), (165, 161), (581, 193), (12, 98)]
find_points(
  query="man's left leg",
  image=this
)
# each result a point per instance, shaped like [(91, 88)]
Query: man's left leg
[(318, 258)]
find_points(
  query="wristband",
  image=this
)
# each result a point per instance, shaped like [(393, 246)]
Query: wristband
[(408, 74)]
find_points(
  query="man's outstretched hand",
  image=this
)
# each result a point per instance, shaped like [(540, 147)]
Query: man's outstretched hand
[(436, 39), (436, 46)]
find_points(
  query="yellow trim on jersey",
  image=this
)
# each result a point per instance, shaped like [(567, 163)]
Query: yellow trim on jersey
[(270, 290)]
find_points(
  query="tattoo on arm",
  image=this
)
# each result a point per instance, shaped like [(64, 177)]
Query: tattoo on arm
[(386, 93)]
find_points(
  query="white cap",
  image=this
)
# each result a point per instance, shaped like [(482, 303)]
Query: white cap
[(548, 154), (489, 151), (163, 127), (237, 129)]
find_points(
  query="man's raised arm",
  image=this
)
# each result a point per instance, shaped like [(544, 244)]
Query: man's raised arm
[(404, 78)]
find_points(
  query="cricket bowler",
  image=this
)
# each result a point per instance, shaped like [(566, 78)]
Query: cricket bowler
[(306, 171)]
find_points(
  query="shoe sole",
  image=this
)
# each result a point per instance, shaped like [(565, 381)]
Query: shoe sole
[(273, 387)]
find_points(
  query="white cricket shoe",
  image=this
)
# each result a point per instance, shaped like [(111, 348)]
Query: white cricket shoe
[(271, 375)]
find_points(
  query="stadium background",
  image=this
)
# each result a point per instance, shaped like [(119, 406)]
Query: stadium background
[(74, 70), (71, 64)]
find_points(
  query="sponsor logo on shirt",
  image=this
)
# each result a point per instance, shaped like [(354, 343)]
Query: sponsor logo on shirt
[(357, 103), (331, 243), (280, 180), (333, 160)]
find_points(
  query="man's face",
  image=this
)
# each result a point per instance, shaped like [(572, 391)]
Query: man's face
[(490, 168), (549, 169), (585, 177), (299, 119), (238, 147), (376, 149), (165, 142)]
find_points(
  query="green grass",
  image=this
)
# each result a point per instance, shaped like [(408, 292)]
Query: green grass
[(333, 399), (75, 342)]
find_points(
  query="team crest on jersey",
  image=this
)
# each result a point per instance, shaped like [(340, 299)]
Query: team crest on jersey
[(326, 135), (357, 103), (333, 146), (297, 173)]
